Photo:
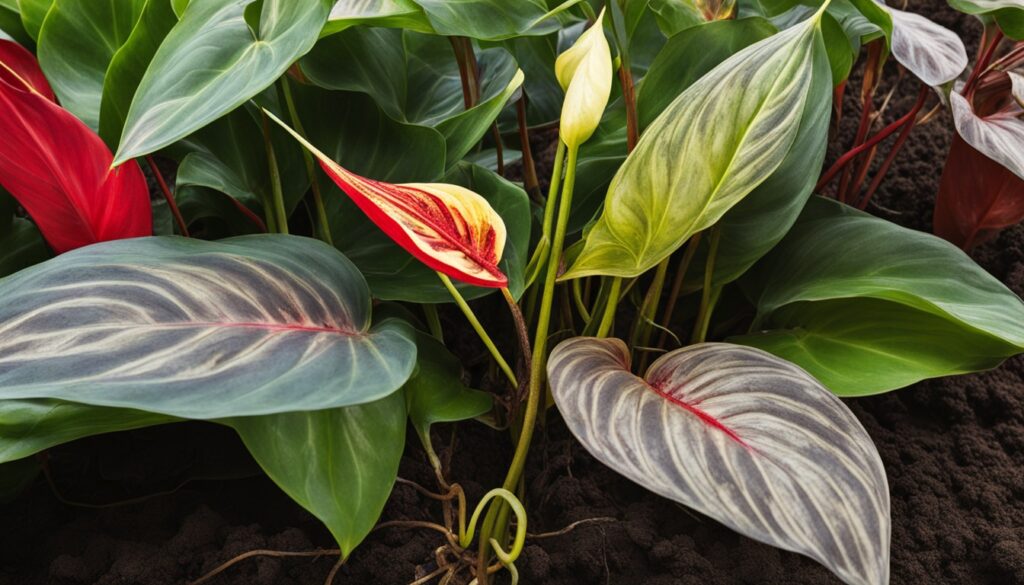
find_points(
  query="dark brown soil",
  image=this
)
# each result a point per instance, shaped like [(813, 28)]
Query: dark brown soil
[(953, 450)]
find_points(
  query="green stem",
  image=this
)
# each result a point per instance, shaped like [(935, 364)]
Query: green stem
[(608, 319), (275, 179), (677, 286), (433, 321), (710, 294), (643, 326), (543, 251), (480, 331), (577, 297), (318, 199)]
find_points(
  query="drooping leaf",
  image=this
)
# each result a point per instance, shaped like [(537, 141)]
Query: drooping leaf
[(977, 197), (60, 171), (212, 62), (933, 53), (415, 79), (447, 227), (339, 464), (19, 68), (737, 434), (740, 121), (493, 20), (76, 45), (31, 426), (1008, 13), (129, 64), (436, 393), (585, 73), (907, 306), (404, 14), (999, 136), (182, 327)]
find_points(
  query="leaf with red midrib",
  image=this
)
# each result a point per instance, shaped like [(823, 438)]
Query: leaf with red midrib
[(447, 227), (59, 169)]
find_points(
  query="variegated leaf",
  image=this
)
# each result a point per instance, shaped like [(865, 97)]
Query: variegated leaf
[(447, 227), (933, 53), (740, 435), (999, 136), (245, 326), (720, 139)]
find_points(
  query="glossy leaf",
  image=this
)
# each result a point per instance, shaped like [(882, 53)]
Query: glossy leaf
[(447, 227), (28, 427), (977, 197), (907, 306), (675, 16), (60, 172), (11, 27), (129, 64), (740, 121), (76, 45), (585, 73), (933, 53), (33, 13), (737, 434), (404, 14), (999, 136), (19, 68), (339, 464), (1008, 13), (436, 393), (212, 62), (251, 325), (493, 20)]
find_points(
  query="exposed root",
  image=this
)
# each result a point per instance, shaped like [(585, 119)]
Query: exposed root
[(571, 527), (269, 553)]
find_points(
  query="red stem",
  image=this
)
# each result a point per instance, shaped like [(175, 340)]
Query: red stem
[(629, 97), (862, 131), (178, 219), (248, 213), (900, 141), (882, 135), (982, 64)]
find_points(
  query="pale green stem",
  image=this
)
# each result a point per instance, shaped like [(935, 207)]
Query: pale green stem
[(318, 200), (275, 179), (710, 294), (480, 331), (608, 319), (433, 321)]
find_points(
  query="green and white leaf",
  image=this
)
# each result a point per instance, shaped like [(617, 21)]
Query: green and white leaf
[(906, 306), (740, 435), (212, 62), (194, 329), (720, 139), (933, 53), (999, 136)]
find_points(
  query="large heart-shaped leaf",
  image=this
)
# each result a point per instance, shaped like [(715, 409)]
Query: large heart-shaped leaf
[(737, 434), (905, 307), (76, 45), (129, 64), (720, 139), (339, 464), (933, 53), (60, 171), (211, 62), (246, 326)]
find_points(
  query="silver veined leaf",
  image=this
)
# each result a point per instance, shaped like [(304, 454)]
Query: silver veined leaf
[(933, 53), (999, 136), (245, 326), (723, 136), (740, 435)]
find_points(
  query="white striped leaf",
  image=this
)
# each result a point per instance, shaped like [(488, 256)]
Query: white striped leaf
[(245, 326), (718, 141), (999, 136), (933, 53), (740, 435)]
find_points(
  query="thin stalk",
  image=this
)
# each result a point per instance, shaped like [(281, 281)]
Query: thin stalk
[(643, 327), (499, 149), (577, 298), (542, 253), (530, 182), (433, 321), (466, 59), (608, 319), (318, 199), (900, 141), (677, 286), (983, 61), (480, 331), (275, 178), (178, 219), (710, 293)]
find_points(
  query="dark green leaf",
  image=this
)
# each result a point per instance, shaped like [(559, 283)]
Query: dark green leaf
[(21, 245), (16, 476), (33, 13), (492, 20)]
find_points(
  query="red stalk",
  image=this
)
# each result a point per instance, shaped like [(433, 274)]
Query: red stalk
[(900, 141), (178, 219), (982, 64)]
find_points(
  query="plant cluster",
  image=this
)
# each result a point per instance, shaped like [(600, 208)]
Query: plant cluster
[(329, 173)]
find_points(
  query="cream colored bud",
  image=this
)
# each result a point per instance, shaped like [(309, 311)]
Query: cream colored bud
[(585, 73)]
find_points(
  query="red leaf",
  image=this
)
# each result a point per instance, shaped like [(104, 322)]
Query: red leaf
[(977, 197), (59, 171), (19, 68)]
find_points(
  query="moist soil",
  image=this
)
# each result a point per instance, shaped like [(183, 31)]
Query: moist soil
[(953, 450)]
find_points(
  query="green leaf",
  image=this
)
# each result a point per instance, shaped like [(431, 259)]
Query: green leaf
[(415, 79), (21, 245), (493, 20), (395, 275), (213, 215), (33, 13), (210, 63), (196, 329), (718, 141), (404, 14), (11, 26), (1008, 13), (675, 16), (436, 393), (30, 426), (76, 45), (16, 476), (536, 57), (905, 307), (129, 64), (340, 464)]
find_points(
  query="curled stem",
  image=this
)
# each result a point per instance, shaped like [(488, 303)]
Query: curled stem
[(466, 533)]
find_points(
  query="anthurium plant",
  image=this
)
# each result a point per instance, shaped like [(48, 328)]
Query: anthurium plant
[(693, 295)]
